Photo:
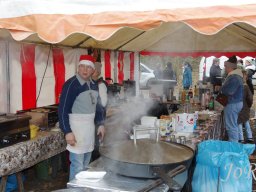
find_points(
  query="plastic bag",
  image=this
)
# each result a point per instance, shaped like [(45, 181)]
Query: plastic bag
[(222, 166)]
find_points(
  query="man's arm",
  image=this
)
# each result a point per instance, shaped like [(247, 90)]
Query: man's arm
[(99, 114), (249, 96), (100, 119), (67, 99)]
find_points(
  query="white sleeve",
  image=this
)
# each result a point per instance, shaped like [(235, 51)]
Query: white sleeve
[(103, 94)]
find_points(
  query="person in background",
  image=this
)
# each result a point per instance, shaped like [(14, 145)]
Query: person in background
[(215, 75), (79, 109), (187, 76), (169, 73), (233, 89), (244, 115), (101, 84), (240, 63), (250, 68), (104, 100), (223, 73), (158, 72)]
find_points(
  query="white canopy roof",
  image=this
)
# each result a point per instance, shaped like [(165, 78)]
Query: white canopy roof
[(151, 25)]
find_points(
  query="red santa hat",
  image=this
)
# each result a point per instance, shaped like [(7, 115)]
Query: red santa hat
[(87, 60)]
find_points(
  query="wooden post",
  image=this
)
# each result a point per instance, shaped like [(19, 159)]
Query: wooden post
[(3, 183), (20, 182)]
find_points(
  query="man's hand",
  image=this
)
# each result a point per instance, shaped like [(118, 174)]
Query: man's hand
[(71, 139), (101, 133)]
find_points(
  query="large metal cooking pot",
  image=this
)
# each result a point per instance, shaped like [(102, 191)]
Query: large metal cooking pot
[(148, 159)]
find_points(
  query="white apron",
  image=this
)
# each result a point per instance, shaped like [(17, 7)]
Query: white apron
[(82, 126)]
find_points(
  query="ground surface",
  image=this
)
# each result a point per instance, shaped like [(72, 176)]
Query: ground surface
[(34, 184)]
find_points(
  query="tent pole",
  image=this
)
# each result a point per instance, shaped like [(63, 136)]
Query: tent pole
[(137, 72), (115, 66), (8, 78)]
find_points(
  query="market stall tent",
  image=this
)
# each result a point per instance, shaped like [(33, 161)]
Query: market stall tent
[(60, 31), (186, 29)]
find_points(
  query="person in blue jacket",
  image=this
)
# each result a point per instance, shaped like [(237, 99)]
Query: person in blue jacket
[(234, 90), (187, 76), (79, 110)]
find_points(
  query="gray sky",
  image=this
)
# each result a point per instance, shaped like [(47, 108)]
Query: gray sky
[(14, 8)]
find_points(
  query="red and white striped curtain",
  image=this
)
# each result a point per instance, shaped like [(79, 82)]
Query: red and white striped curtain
[(37, 73), (125, 65)]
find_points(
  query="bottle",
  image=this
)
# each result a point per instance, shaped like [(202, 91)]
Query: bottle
[(196, 95), (211, 103), (187, 106), (196, 92), (187, 97), (183, 96), (195, 119), (203, 101), (207, 99), (190, 93)]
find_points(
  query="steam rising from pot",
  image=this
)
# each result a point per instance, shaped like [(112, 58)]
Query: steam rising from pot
[(119, 125)]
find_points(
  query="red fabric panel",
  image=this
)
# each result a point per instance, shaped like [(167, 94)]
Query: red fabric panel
[(120, 66), (132, 66), (199, 54), (59, 71), (107, 64), (27, 60)]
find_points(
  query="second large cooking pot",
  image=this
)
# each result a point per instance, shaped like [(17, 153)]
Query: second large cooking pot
[(147, 159)]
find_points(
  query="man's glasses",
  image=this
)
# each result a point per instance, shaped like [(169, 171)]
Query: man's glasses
[(92, 98)]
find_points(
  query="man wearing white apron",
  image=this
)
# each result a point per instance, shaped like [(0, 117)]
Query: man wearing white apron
[(79, 110)]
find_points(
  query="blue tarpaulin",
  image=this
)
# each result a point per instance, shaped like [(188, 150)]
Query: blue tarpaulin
[(222, 166)]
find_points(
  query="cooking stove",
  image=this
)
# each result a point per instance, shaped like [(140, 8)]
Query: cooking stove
[(13, 129), (115, 182)]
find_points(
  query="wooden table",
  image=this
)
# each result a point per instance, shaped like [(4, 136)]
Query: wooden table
[(25, 154)]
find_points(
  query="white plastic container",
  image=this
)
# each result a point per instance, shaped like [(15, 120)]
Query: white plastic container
[(184, 122), (148, 121)]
